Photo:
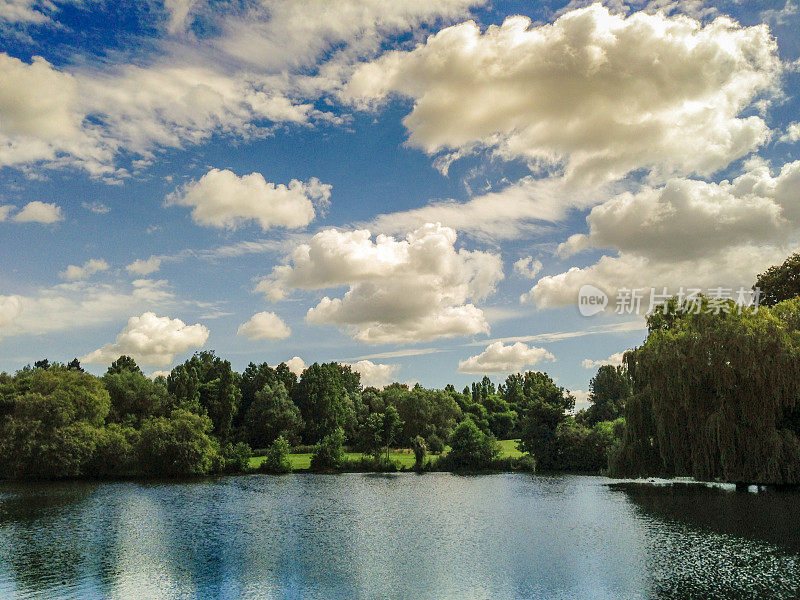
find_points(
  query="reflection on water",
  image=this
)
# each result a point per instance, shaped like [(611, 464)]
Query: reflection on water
[(399, 536), (715, 543)]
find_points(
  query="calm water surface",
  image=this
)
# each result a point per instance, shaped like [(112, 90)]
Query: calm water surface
[(400, 536)]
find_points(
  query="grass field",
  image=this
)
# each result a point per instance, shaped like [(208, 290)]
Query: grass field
[(403, 458)]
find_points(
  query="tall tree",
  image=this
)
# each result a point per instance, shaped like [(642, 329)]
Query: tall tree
[(123, 363), (134, 397), (781, 282), (609, 389), (391, 427), (716, 396), (256, 377), (325, 395), (54, 426), (209, 381), (272, 414), (543, 408)]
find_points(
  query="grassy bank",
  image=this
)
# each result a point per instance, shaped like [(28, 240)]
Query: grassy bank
[(402, 457)]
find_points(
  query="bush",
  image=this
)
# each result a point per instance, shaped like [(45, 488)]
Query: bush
[(370, 464), (420, 450), (329, 452), (178, 445), (236, 458), (277, 457), (470, 449), (526, 463), (114, 453)]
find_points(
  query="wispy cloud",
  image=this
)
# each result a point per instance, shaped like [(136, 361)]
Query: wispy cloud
[(626, 326)]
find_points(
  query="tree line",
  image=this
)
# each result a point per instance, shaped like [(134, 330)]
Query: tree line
[(57, 421)]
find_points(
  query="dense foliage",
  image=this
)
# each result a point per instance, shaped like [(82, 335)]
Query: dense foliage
[(715, 395), (781, 282), (57, 421)]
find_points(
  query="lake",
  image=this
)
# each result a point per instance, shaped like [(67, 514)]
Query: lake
[(402, 536)]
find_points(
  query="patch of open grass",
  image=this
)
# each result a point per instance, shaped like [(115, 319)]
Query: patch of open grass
[(508, 449), (401, 457)]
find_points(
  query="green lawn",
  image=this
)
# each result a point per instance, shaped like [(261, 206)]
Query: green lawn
[(403, 458), (508, 449)]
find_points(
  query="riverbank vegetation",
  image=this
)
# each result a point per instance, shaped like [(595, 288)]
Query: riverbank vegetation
[(57, 421), (716, 389)]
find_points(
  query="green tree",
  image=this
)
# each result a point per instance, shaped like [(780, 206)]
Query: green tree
[(420, 450), (715, 396), (470, 448), (435, 444), (180, 444), (134, 397), (372, 435), (236, 457), (255, 378), (56, 419), (391, 427), (781, 282), (209, 381), (272, 414), (114, 454), (123, 363), (325, 395), (543, 408), (423, 412), (609, 389)]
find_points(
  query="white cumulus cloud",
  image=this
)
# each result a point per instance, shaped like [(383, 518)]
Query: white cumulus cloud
[(264, 326), (528, 267), (220, 198), (375, 375), (499, 358), (296, 365), (615, 360), (43, 116), (151, 340), (792, 133), (39, 212), (144, 267), (89, 268), (685, 233), (400, 290), (600, 94)]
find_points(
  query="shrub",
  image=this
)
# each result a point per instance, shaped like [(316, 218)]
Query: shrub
[(236, 458), (114, 453), (470, 449), (526, 463), (303, 449), (277, 457), (420, 450), (178, 445), (329, 452), (370, 464)]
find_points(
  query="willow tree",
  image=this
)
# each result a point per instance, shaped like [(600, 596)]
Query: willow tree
[(716, 395)]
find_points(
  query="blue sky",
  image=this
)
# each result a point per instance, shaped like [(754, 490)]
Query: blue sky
[(236, 150)]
